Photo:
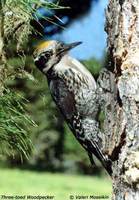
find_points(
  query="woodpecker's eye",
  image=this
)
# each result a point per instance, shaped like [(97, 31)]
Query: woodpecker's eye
[(47, 56), (40, 63), (44, 57)]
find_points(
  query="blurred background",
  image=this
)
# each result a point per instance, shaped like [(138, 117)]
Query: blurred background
[(56, 158)]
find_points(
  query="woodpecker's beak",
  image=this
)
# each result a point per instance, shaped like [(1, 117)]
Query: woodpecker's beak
[(72, 45), (68, 47)]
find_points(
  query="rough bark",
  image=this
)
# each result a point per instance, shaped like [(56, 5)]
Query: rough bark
[(118, 88)]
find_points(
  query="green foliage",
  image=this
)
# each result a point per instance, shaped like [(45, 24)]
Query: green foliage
[(15, 18), (13, 137)]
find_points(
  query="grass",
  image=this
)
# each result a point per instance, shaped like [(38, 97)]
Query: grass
[(61, 186)]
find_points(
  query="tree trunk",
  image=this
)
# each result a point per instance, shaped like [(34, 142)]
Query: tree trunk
[(119, 97)]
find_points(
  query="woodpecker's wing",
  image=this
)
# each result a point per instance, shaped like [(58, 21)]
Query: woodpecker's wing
[(63, 98)]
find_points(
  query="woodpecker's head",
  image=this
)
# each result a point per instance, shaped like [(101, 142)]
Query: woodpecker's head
[(49, 53)]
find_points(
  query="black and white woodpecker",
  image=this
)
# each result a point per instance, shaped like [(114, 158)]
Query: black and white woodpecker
[(73, 89)]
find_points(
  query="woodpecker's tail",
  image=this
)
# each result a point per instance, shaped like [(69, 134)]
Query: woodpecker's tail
[(94, 149)]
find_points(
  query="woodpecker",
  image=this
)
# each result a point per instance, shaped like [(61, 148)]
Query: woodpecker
[(73, 89)]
